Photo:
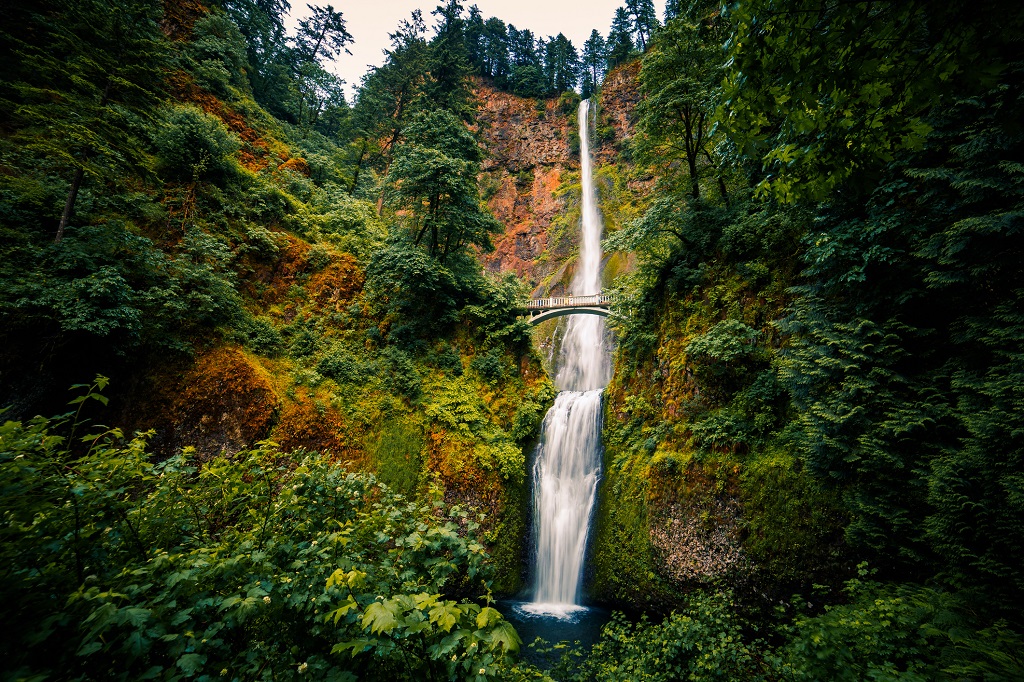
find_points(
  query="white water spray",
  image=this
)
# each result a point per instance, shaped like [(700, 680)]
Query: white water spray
[(568, 462)]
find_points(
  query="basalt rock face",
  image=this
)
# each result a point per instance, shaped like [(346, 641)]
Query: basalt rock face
[(619, 97), (528, 152), (532, 152)]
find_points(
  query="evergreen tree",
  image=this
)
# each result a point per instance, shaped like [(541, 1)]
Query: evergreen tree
[(564, 64), (496, 50), (620, 39), (448, 65), (593, 62), (261, 23), (389, 93), (474, 36), (322, 35), (80, 84), (644, 21)]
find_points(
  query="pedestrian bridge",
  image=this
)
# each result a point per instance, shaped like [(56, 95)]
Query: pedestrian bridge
[(540, 309)]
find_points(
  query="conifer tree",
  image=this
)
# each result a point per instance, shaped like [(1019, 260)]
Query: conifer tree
[(620, 39), (593, 61), (84, 76), (644, 21), (448, 63)]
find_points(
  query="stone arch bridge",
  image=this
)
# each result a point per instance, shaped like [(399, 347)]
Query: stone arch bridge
[(540, 309)]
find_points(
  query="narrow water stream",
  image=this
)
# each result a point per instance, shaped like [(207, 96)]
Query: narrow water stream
[(568, 461)]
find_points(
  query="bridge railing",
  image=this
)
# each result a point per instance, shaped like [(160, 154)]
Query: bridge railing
[(601, 300)]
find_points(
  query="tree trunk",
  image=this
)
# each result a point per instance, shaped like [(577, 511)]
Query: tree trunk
[(69, 205)]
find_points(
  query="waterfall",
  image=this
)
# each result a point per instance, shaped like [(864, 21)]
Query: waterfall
[(568, 461)]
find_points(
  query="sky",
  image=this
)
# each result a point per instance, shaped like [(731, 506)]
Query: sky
[(370, 21)]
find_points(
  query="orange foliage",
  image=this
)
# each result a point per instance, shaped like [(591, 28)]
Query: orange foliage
[(305, 427), (223, 403), (297, 164), (337, 284), (180, 16), (451, 459), (279, 275)]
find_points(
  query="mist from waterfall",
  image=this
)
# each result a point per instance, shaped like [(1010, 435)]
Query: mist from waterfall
[(568, 462)]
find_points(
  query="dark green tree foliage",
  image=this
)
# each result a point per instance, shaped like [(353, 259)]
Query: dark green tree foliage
[(105, 60), (593, 63), (680, 80), (261, 23), (494, 53), (434, 179), (194, 146), (913, 412), (620, 44), (644, 21), (565, 64), (825, 94), (448, 63), (389, 92)]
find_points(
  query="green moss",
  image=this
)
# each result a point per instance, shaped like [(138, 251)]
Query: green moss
[(396, 451), (625, 572), (793, 527)]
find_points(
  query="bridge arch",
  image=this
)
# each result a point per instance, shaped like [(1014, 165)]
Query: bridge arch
[(561, 312)]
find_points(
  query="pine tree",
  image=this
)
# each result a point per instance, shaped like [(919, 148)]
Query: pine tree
[(84, 77), (620, 39), (496, 50), (593, 62), (448, 65), (474, 37), (644, 21)]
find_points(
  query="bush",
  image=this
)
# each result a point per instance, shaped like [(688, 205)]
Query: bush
[(193, 145), (490, 365), (120, 569)]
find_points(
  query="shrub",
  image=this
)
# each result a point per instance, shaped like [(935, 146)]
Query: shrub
[(193, 145), (120, 569)]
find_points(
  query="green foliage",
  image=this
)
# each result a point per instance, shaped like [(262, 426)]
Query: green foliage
[(703, 641), (260, 336), (491, 365), (192, 145), (823, 96), (395, 450), (118, 568), (434, 178)]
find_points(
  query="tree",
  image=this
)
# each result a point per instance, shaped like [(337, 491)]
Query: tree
[(448, 63), (679, 81), (388, 94), (434, 178), (593, 62), (474, 37), (323, 35), (261, 23), (644, 21), (85, 76), (563, 64), (620, 39), (496, 50), (824, 94)]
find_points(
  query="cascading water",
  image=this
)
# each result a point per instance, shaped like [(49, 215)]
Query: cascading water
[(568, 462)]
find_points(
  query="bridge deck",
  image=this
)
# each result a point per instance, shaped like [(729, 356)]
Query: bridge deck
[(559, 302)]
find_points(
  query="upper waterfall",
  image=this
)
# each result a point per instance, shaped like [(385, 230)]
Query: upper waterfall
[(584, 363)]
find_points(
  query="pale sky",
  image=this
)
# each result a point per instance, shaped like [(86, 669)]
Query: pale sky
[(370, 21)]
